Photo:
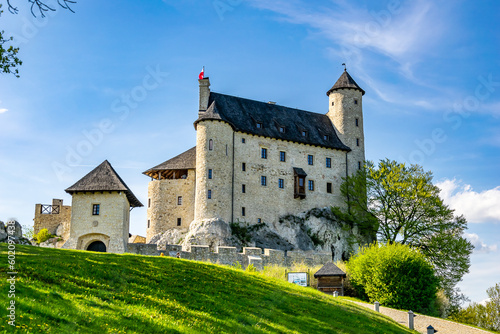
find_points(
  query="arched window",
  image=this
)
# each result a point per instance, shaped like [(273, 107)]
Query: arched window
[(210, 145)]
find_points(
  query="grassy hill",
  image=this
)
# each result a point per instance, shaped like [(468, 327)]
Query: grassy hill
[(64, 291)]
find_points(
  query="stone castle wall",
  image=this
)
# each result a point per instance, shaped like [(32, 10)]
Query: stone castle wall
[(346, 105), (230, 256), (163, 208), (52, 221)]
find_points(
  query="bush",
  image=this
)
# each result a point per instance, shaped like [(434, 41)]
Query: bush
[(43, 235), (396, 276)]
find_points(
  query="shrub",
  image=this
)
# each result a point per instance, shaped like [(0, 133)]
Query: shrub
[(396, 276), (43, 235)]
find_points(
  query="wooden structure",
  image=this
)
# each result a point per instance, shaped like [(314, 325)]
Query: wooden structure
[(330, 279)]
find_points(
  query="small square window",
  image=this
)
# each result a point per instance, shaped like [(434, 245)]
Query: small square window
[(243, 166), (243, 211), (359, 164), (179, 200), (357, 141), (243, 188), (149, 223), (329, 188), (282, 129), (210, 145), (355, 101), (333, 103), (357, 121), (95, 209), (328, 162), (210, 174), (310, 160), (311, 185), (326, 137), (263, 153), (259, 220), (304, 133), (259, 125), (179, 221), (281, 183), (149, 202), (282, 156), (209, 195), (263, 181), (243, 140)]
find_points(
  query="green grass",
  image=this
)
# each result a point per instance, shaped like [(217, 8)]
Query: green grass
[(64, 291)]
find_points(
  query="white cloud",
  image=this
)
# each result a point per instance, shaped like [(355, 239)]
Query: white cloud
[(479, 245), (2, 110), (477, 207)]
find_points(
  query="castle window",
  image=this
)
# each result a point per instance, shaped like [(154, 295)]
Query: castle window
[(357, 121), (179, 200), (304, 133), (282, 129), (226, 149), (329, 187), (281, 183), (355, 101), (282, 156), (357, 141), (210, 145), (333, 103), (310, 160), (328, 162), (311, 185), (243, 211), (243, 188), (149, 202), (259, 125), (95, 209), (359, 164), (209, 195), (263, 153), (179, 221), (243, 140), (243, 166), (149, 223), (263, 181), (210, 174), (299, 183), (259, 220), (326, 137)]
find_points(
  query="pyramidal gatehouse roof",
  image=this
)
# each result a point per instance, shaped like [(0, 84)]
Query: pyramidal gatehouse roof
[(329, 269), (104, 178), (345, 82)]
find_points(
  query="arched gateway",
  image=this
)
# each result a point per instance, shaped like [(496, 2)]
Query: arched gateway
[(97, 246)]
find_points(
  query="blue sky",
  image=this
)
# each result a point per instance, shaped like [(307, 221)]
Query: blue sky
[(118, 81)]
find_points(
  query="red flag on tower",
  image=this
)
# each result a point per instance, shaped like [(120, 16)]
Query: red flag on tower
[(202, 73)]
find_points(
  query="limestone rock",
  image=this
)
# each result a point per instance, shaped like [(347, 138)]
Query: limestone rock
[(17, 235), (210, 232), (171, 236), (50, 243), (60, 230)]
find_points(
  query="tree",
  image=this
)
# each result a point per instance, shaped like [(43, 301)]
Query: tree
[(408, 210), (395, 275), (9, 61)]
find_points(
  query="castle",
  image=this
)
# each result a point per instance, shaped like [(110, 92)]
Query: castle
[(254, 162)]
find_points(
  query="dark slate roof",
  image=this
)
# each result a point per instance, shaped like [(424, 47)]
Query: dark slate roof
[(345, 81), (244, 114), (299, 171), (185, 160), (329, 269), (104, 178)]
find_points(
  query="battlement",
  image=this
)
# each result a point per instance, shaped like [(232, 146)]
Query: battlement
[(229, 255)]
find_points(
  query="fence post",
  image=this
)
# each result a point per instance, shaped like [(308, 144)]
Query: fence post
[(431, 330), (411, 316), (377, 306)]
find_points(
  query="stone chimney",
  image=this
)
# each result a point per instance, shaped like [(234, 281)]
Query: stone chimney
[(204, 94)]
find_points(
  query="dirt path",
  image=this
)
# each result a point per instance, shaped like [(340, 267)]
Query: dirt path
[(422, 322)]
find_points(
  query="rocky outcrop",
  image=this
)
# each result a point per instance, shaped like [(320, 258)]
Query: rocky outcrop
[(209, 232), (12, 231)]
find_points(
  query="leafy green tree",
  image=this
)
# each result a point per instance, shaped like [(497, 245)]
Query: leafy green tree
[(395, 275), (407, 209), (9, 60)]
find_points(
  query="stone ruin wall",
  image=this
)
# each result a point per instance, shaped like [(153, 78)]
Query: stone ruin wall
[(230, 256)]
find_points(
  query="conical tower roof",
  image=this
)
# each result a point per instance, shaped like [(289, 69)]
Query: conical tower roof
[(104, 178), (345, 82)]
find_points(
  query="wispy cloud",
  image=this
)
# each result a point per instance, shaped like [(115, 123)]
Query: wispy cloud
[(477, 207), (2, 110), (479, 245)]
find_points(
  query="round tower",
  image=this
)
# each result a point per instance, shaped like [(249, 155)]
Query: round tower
[(214, 161), (346, 113)]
